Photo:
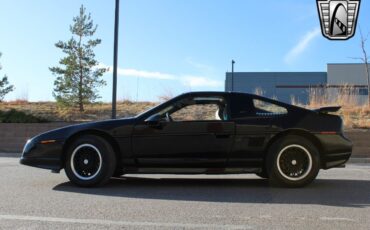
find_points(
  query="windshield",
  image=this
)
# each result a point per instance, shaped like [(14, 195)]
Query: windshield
[(155, 108)]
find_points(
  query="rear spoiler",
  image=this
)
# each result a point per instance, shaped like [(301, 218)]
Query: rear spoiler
[(329, 109)]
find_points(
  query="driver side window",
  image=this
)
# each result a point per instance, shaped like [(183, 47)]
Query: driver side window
[(196, 109), (197, 112)]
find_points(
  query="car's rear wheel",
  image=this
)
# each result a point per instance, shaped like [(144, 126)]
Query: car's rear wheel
[(90, 161), (292, 161)]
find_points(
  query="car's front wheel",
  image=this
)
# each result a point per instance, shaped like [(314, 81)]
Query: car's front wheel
[(90, 161), (293, 161)]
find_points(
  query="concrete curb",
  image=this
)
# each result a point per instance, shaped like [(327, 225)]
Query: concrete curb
[(16, 155)]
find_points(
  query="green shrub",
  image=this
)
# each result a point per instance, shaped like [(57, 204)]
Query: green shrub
[(14, 116)]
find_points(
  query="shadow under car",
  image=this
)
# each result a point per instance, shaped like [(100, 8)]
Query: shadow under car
[(345, 193)]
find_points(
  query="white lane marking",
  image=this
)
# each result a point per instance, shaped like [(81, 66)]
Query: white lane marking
[(119, 223), (337, 219)]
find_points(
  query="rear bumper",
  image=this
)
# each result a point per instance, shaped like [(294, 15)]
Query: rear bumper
[(336, 159), (335, 150)]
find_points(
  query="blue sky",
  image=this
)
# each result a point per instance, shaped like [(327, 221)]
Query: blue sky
[(170, 45)]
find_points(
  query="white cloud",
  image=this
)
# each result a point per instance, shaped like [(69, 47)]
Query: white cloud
[(144, 74), (139, 73), (195, 81), (200, 66), (187, 80), (302, 45)]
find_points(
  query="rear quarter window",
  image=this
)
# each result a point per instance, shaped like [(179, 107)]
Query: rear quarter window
[(264, 108)]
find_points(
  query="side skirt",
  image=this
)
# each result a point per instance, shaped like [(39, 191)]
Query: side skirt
[(192, 170)]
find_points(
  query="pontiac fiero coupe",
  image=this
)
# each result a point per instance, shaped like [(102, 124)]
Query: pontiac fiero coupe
[(199, 133)]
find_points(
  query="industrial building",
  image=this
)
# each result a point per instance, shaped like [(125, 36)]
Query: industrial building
[(288, 86)]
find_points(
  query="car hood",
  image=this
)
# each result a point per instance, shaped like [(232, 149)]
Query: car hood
[(112, 127)]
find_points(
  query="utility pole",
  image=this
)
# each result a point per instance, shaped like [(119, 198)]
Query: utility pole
[(115, 61), (232, 75), (137, 89)]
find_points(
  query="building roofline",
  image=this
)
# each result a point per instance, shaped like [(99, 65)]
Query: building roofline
[(279, 72), (346, 64)]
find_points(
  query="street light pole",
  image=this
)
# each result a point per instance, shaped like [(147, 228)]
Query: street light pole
[(115, 61), (232, 75)]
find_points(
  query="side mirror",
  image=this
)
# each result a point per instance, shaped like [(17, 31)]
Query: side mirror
[(154, 120)]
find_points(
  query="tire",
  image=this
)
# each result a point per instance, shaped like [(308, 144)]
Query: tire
[(90, 161), (292, 161)]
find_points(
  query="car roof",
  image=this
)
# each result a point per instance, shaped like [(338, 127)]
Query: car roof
[(219, 93), (211, 93), (223, 93)]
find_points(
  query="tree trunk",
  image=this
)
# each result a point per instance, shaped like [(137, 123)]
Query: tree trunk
[(365, 60), (367, 73), (81, 107), (80, 96), (368, 83)]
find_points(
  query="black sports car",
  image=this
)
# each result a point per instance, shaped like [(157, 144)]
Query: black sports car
[(199, 133)]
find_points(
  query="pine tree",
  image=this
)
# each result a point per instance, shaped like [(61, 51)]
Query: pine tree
[(5, 88), (79, 77)]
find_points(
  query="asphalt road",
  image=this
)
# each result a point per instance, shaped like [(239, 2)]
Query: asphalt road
[(31, 198)]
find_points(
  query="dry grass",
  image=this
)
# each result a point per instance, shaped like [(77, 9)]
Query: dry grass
[(353, 113), (196, 112), (102, 111), (356, 117), (97, 111), (259, 91)]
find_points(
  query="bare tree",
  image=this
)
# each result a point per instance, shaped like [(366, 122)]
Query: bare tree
[(365, 60), (166, 95)]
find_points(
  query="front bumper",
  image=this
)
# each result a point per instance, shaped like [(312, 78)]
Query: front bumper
[(335, 150), (44, 163), (46, 156)]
